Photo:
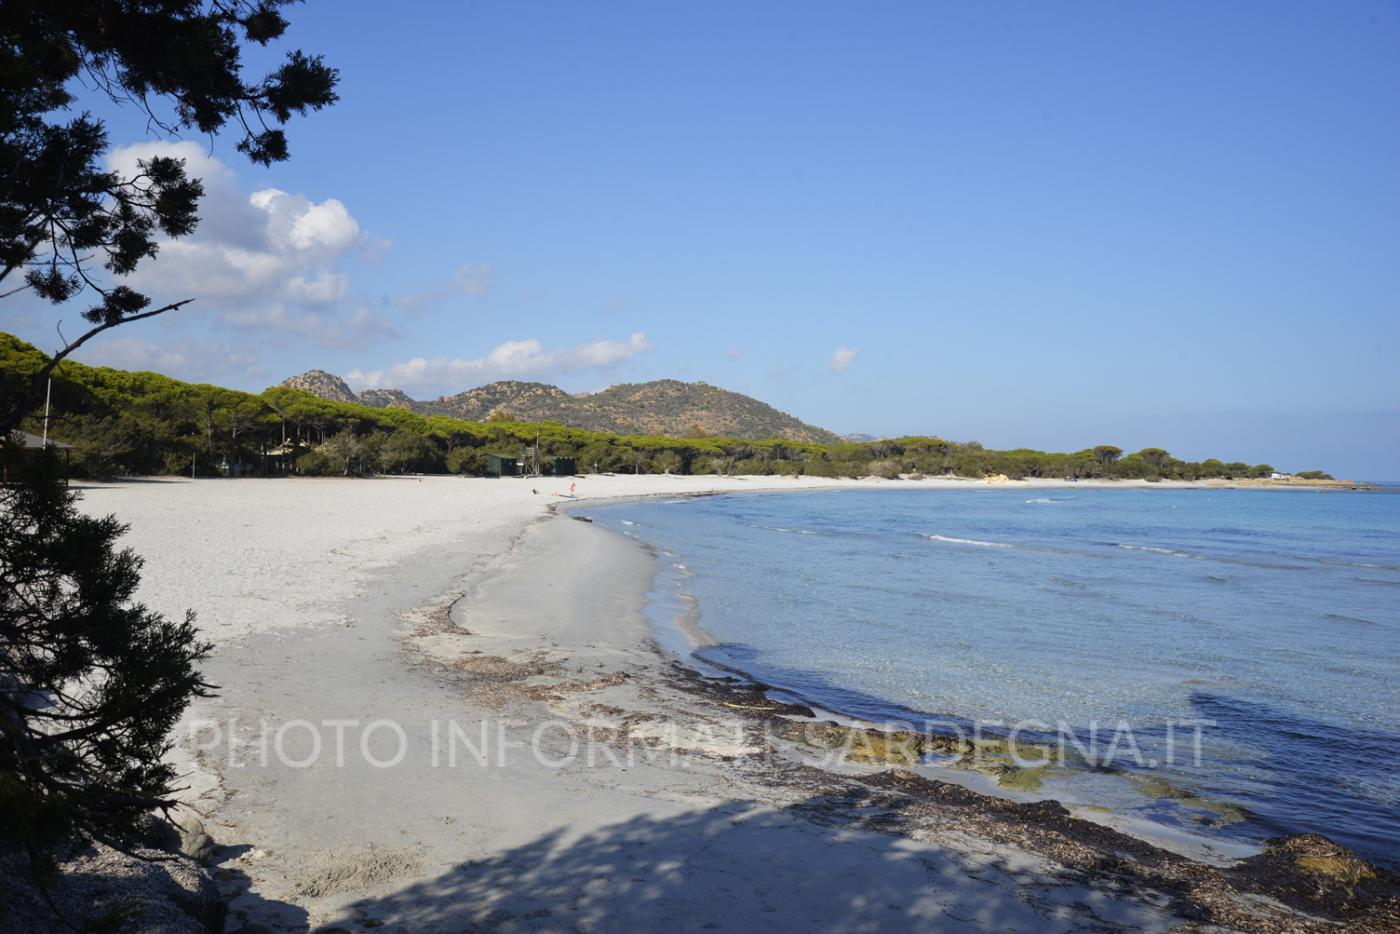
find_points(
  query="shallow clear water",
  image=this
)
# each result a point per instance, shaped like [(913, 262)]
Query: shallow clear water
[(1273, 615)]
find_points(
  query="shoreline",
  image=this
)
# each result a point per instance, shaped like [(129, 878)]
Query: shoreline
[(502, 615), (1170, 809), (1017, 824), (900, 720)]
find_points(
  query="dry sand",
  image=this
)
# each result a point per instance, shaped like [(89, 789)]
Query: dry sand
[(447, 603)]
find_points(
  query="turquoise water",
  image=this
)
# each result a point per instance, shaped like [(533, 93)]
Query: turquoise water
[(1272, 616)]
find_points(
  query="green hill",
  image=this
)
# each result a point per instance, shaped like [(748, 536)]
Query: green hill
[(665, 407), (122, 422)]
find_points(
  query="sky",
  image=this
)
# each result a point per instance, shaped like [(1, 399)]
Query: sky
[(1025, 224)]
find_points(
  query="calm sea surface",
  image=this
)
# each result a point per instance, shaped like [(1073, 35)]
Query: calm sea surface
[(1274, 616)]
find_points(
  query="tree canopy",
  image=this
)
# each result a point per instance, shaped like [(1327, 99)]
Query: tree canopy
[(68, 225), (144, 423)]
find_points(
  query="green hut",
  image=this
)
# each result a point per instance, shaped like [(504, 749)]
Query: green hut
[(502, 465), (560, 466)]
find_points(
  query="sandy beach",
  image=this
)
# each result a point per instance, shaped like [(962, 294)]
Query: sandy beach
[(440, 708)]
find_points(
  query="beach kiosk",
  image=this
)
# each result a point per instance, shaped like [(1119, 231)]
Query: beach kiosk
[(502, 465), (24, 449), (560, 466)]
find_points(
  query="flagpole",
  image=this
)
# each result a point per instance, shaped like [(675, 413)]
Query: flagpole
[(48, 395)]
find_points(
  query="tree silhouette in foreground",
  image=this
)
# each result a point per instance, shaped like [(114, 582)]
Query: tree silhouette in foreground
[(91, 682), (67, 225)]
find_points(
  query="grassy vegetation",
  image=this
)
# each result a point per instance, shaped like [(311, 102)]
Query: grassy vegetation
[(143, 423)]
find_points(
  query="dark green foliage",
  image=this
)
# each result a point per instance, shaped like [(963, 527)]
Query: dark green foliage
[(407, 451), (61, 211), (466, 460), (90, 681), (346, 454), (143, 423), (1107, 454), (183, 55)]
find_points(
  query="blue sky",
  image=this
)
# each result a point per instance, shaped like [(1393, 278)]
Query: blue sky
[(1050, 225)]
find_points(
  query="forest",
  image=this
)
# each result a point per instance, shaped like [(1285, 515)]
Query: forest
[(123, 423)]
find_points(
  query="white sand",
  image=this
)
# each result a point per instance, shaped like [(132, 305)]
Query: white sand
[(304, 585), (260, 555)]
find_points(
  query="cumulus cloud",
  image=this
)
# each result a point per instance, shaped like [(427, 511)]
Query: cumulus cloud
[(255, 258), (524, 359), (842, 358)]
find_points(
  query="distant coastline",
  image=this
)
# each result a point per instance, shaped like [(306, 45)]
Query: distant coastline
[(124, 423)]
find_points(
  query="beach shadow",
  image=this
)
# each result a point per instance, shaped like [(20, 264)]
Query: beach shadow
[(739, 866), (91, 888), (244, 908)]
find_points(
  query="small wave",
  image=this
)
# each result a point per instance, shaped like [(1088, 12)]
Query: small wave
[(966, 541), (1375, 580), (1157, 551), (628, 522), (1039, 501), (779, 528), (1348, 619)]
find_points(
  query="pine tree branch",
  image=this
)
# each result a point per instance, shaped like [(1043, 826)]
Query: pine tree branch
[(19, 410)]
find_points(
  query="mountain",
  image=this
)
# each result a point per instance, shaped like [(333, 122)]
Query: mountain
[(320, 383), (662, 407), (383, 398), (526, 402)]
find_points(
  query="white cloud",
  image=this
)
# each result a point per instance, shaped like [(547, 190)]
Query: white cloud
[(297, 222), (358, 329), (525, 359), (267, 259), (468, 279), (842, 358), (195, 359), (325, 288), (474, 280)]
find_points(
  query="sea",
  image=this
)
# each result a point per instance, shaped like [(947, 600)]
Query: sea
[(1235, 651)]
